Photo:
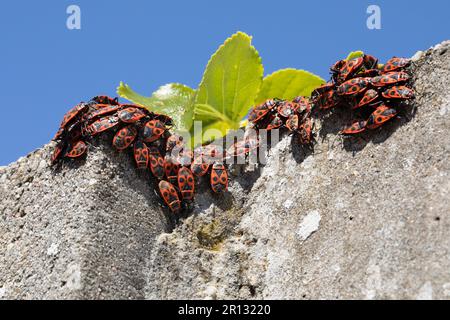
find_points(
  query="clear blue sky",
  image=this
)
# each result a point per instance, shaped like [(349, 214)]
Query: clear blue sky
[(46, 68)]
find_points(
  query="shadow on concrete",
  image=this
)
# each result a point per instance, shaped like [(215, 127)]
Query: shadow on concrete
[(335, 120)]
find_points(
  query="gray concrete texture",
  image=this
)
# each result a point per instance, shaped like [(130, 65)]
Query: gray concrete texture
[(360, 218)]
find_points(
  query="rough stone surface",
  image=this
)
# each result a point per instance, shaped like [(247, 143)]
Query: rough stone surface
[(83, 231), (362, 218)]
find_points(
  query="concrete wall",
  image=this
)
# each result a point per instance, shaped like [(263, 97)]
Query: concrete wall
[(362, 218)]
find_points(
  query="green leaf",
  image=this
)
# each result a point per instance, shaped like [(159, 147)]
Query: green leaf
[(205, 112), (288, 84), (174, 99), (354, 54), (229, 86), (126, 92)]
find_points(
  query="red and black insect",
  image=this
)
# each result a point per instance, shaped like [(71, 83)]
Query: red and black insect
[(153, 130), (72, 131), (287, 108), (370, 62), (350, 68), (390, 79), (322, 89), (212, 153), (353, 86), (305, 132), (275, 123), (106, 100), (141, 154), (105, 110), (243, 147), (400, 92), (170, 196), (102, 125), (59, 134), (171, 168), (124, 137), (58, 152), (357, 127), (77, 150), (175, 141), (370, 96), (198, 167), (165, 119), (335, 71), (380, 116), (131, 114), (337, 67), (186, 183), (303, 104), (72, 114), (219, 178), (156, 163), (328, 100), (292, 123), (94, 106), (370, 73), (258, 112), (395, 64)]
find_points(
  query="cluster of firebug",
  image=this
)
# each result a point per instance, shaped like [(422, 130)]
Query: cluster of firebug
[(153, 147), (293, 115), (372, 92)]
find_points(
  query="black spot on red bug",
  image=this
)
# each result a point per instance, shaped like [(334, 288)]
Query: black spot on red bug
[(292, 122), (74, 113), (103, 124), (131, 115), (105, 110), (157, 165), (395, 64), (170, 196), (356, 127), (106, 100), (174, 141), (153, 130), (141, 154), (186, 183), (171, 168), (219, 178), (124, 137), (380, 116), (78, 149), (57, 152), (198, 167)]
